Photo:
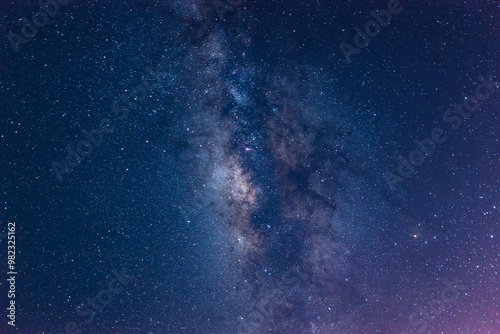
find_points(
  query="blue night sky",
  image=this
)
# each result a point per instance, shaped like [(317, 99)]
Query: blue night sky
[(250, 167)]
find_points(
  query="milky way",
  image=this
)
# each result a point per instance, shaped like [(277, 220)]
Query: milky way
[(245, 192)]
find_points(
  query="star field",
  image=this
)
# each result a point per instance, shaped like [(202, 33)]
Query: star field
[(251, 167)]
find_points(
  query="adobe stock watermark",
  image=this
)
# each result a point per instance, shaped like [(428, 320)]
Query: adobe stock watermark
[(39, 19), (104, 297), (455, 116), (420, 319), (222, 8), (372, 29), (265, 308), (121, 106)]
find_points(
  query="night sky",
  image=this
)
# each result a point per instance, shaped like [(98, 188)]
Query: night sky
[(279, 166)]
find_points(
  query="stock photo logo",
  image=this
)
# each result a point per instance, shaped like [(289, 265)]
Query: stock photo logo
[(455, 116), (371, 30), (421, 319), (121, 108), (93, 306), (246, 167), (39, 20)]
